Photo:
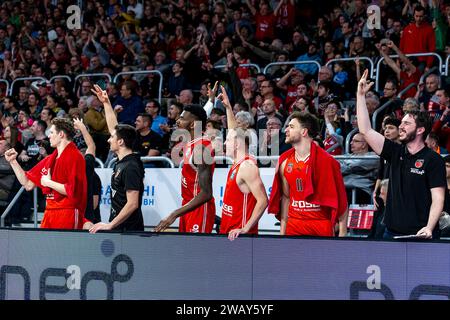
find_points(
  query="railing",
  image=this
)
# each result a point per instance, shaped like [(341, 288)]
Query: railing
[(90, 75), (378, 111), (446, 65), (100, 163), (146, 160), (60, 77), (353, 157), (426, 74), (145, 72), (372, 68), (349, 138), (11, 89), (433, 54), (9, 207), (409, 86), (292, 62), (250, 65)]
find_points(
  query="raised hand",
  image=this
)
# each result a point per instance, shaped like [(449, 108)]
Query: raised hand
[(102, 95), (224, 98), (212, 92), (78, 124), (364, 85), (11, 155)]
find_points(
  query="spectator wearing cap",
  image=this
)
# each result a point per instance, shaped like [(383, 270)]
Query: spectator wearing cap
[(128, 105), (153, 108), (312, 54)]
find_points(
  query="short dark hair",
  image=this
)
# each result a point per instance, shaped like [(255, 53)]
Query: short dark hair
[(308, 121), (127, 133), (178, 105), (42, 124), (147, 117), (66, 126), (419, 8), (392, 121), (198, 112), (215, 124), (422, 119)]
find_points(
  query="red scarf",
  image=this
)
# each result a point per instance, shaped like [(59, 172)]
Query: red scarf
[(324, 185)]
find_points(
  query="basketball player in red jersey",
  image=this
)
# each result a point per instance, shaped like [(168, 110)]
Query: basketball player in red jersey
[(198, 209), (245, 197), (308, 190)]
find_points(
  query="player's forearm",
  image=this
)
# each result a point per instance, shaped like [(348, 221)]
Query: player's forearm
[(123, 215), (362, 114), (199, 200), (257, 213), (111, 119), (284, 214), (343, 224), (20, 174), (58, 187), (435, 212)]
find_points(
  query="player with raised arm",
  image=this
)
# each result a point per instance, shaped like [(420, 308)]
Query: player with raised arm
[(245, 197)]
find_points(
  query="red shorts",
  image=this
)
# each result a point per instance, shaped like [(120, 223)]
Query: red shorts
[(62, 219), (309, 227), (201, 220)]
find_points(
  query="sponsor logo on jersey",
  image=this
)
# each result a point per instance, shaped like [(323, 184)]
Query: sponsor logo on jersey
[(232, 174), (226, 209), (289, 167), (417, 171), (184, 182), (419, 163), (303, 204)]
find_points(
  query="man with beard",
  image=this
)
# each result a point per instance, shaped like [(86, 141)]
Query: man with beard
[(308, 192), (417, 182)]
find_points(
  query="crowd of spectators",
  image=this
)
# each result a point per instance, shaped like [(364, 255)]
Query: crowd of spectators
[(196, 44)]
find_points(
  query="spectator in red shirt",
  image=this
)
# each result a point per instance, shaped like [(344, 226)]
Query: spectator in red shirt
[(265, 21), (419, 36), (116, 49)]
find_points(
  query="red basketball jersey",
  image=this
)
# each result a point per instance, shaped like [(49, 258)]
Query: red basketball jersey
[(295, 173), (201, 219), (237, 206)]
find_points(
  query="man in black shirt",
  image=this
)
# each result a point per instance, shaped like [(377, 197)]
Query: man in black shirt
[(417, 182), (148, 142), (127, 180)]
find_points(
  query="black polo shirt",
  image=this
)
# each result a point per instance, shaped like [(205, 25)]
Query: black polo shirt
[(411, 176), (128, 174)]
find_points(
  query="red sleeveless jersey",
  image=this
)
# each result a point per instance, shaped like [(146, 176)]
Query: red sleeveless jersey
[(295, 174), (190, 186), (237, 206), (201, 219)]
